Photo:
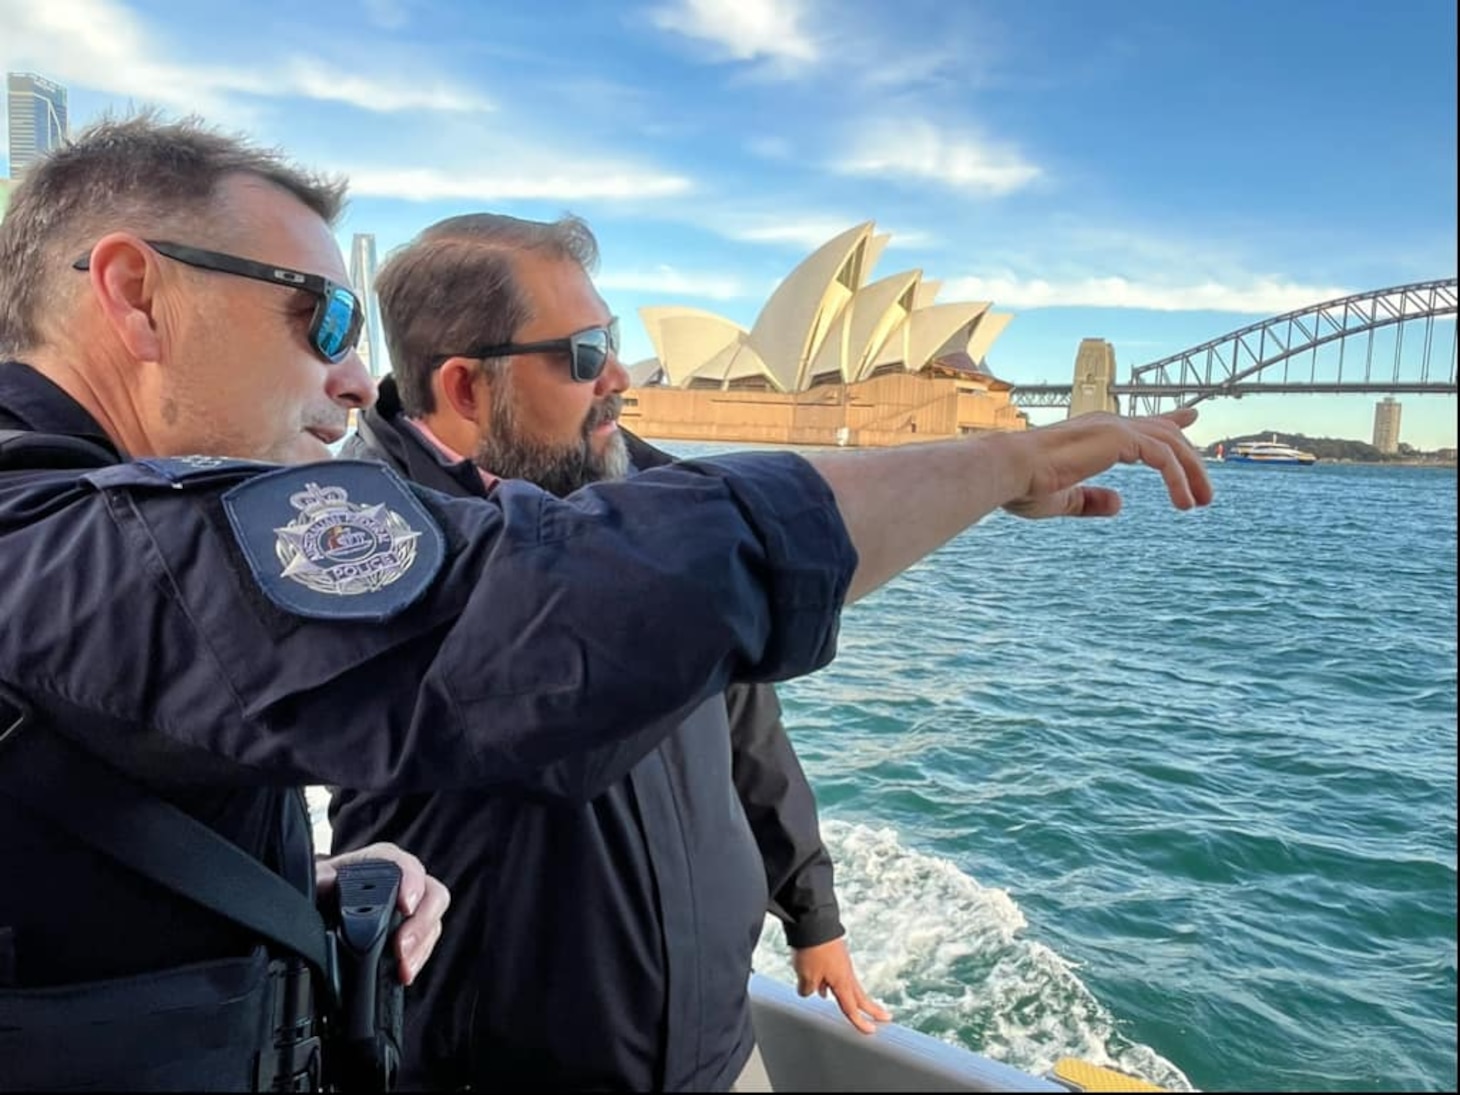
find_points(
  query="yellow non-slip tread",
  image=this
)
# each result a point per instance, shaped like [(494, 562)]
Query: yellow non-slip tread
[(1083, 1076)]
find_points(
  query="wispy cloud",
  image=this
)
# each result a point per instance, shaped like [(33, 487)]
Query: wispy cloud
[(796, 39), (673, 282), (742, 30), (808, 233), (312, 79), (920, 150), (584, 182), (1256, 296), (800, 232), (102, 45)]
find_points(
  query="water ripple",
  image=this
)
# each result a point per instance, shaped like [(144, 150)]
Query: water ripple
[(1207, 759)]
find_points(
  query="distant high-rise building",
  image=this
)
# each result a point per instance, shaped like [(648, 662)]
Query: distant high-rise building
[(1386, 424), (362, 279), (37, 118)]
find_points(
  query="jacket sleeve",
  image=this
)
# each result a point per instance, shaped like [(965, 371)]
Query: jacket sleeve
[(557, 642), (781, 810)]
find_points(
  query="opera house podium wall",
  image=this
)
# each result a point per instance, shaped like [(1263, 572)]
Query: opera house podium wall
[(893, 409)]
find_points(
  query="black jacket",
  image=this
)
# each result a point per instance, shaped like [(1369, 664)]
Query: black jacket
[(227, 632), (607, 944)]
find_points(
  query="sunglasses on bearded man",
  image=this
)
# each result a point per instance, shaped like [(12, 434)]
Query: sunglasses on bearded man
[(588, 350), (335, 327)]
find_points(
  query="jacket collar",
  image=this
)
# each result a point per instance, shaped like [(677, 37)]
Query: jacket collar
[(31, 401), (385, 434)]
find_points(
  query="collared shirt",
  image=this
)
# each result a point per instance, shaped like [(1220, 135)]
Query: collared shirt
[(419, 425)]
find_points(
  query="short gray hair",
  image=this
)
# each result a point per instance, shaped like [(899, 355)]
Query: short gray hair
[(454, 286), (138, 174)]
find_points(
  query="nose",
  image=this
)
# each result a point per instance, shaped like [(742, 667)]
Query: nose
[(349, 383), (613, 379)]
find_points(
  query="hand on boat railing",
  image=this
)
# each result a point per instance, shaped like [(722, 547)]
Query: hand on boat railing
[(828, 966)]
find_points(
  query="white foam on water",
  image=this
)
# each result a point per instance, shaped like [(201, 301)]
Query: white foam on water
[(945, 954)]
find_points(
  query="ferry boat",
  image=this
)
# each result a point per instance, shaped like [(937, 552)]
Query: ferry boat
[(1266, 452)]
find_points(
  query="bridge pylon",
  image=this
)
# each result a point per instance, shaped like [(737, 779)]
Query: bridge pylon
[(1094, 375)]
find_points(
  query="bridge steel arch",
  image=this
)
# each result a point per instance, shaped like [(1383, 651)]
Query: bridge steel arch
[(1230, 365)]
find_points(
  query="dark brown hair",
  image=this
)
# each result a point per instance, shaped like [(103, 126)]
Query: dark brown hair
[(454, 287)]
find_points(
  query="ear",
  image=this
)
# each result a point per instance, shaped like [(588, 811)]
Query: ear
[(463, 391), (125, 279)]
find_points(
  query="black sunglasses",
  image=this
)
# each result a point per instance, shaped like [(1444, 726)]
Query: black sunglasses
[(588, 350), (338, 316)]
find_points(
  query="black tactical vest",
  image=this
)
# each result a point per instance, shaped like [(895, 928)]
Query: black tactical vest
[(140, 949)]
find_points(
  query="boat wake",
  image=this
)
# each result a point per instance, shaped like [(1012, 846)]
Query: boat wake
[(947, 957)]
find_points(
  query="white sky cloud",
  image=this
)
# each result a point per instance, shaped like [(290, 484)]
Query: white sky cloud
[(1257, 296), (809, 233), (918, 149), (578, 182), (742, 30), (673, 282), (102, 45)]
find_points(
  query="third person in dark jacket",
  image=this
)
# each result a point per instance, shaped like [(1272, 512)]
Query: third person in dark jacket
[(608, 944)]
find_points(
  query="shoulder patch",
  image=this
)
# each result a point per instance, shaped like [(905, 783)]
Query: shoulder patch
[(343, 540)]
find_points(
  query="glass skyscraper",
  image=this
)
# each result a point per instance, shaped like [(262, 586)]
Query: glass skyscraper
[(37, 118)]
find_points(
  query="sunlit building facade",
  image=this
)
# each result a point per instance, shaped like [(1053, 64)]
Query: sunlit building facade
[(833, 358), (37, 116), (1386, 424)]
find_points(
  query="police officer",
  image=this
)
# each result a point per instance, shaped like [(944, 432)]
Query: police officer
[(190, 600)]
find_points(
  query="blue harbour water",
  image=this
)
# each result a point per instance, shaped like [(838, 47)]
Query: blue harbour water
[(1171, 792)]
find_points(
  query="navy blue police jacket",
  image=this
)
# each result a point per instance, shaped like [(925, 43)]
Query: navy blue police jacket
[(228, 631), (602, 944)]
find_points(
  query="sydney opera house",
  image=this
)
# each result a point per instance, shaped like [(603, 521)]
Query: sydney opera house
[(834, 358)]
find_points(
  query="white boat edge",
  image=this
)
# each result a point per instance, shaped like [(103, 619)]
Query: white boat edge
[(808, 1045)]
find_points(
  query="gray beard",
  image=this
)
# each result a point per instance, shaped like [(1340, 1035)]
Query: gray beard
[(557, 469)]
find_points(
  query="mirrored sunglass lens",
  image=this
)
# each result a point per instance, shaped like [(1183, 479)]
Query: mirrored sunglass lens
[(338, 328), (590, 354)]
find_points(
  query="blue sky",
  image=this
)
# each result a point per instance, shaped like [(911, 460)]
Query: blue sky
[(1152, 173)]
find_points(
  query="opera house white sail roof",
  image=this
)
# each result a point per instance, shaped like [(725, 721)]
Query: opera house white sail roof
[(825, 323)]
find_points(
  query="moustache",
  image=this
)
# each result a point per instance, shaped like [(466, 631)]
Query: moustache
[(605, 411)]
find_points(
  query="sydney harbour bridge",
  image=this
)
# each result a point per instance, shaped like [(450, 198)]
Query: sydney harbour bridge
[(1329, 347)]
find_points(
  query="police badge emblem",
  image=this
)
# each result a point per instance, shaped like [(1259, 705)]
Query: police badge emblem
[(359, 545), (336, 546)]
